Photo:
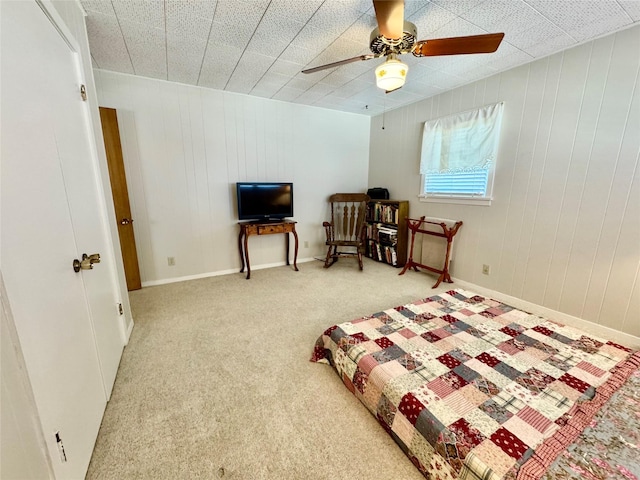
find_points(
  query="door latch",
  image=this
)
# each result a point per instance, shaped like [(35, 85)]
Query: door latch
[(86, 263)]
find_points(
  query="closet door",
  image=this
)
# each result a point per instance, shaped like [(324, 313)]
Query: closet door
[(50, 216)]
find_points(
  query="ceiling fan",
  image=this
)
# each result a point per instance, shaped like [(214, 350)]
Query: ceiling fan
[(395, 36)]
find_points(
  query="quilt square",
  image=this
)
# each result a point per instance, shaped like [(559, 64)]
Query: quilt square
[(410, 407), (455, 442), (449, 360), (429, 426), (496, 411), (534, 380), (388, 354), (509, 443), (430, 336), (574, 382), (488, 359), (466, 373), (485, 386), (535, 419), (441, 388), (453, 379)]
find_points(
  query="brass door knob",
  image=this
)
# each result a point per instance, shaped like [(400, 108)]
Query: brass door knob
[(86, 263)]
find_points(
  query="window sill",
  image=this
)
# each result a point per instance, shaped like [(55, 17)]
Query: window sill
[(480, 201)]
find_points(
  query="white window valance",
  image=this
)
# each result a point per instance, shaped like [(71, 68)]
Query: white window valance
[(465, 141)]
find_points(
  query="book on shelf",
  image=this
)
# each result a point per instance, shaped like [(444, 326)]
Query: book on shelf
[(379, 212)]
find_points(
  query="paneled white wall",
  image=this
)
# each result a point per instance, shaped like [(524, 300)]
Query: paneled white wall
[(564, 227), (185, 147)]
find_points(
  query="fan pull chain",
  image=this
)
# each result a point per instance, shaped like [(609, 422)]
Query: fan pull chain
[(384, 110)]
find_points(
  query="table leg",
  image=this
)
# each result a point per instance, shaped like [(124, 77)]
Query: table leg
[(240, 249), (246, 254), (295, 254), (286, 246)]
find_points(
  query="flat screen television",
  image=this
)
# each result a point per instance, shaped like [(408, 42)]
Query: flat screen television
[(264, 201)]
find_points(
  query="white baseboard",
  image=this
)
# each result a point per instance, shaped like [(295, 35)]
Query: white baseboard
[(608, 333), (164, 281), (128, 332)]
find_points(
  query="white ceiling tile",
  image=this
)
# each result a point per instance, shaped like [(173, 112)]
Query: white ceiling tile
[(301, 82), (147, 48), (632, 8), (309, 98), (583, 18), (492, 14), (457, 7), (429, 19), (189, 9), (248, 71), (236, 21), (98, 6), (507, 56), (321, 88), (184, 58), (297, 54), (300, 11), (286, 68), (343, 48), (334, 17), (183, 19), (108, 50), (459, 27), (335, 79), (360, 30), (272, 81), (264, 40), (550, 45), (288, 94), (145, 12), (313, 39), (219, 63)]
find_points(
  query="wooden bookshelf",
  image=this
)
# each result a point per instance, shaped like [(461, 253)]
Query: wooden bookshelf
[(387, 231)]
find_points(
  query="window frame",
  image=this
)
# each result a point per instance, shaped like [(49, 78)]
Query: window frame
[(461, 199)]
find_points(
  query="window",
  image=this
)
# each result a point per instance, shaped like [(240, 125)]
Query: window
[(459, 155)]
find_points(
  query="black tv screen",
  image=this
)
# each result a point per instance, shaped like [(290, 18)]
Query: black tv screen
[(264, 200)]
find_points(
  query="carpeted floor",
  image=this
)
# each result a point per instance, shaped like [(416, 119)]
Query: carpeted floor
[(216, 380)]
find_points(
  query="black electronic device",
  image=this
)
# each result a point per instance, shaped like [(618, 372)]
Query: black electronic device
[(264, 201)]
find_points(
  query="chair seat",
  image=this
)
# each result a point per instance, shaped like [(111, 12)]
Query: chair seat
[(344, 243)]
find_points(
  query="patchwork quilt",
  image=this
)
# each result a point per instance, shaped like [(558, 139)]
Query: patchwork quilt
[(471, 388)]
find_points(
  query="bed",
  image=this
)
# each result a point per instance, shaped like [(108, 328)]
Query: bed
[(472, 388)]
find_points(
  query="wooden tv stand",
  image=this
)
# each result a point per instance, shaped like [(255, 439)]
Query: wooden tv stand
[(266, 228)]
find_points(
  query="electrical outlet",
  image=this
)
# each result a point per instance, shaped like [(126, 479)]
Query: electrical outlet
[(171, 261), (306, 244), (486, 269)]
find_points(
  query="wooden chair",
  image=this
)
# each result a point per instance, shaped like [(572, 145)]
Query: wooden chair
[(347, 228)]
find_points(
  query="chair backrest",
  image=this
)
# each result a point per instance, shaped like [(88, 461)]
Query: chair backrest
[(348, 212)]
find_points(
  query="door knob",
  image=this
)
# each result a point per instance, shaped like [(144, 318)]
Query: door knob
[(126, 221), (86, 263)]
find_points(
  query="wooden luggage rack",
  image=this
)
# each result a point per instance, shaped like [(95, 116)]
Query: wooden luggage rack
[(418, 226)]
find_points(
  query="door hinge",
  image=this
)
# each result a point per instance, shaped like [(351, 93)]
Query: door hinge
[(83, 93), (63, 456), (120, 309)]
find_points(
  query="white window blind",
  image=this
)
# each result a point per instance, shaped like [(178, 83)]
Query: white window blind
[(459, 153)]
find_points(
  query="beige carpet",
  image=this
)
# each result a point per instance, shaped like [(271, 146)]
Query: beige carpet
[(216, 380)]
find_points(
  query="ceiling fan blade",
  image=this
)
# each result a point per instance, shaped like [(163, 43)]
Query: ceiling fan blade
[(488, 43), (341, 62), (390, 16)]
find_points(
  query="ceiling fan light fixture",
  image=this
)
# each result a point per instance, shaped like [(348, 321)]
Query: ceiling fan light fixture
[(392, 74)]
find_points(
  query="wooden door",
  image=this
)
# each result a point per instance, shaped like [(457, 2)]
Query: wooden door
[(120, 193), (43, 228)]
